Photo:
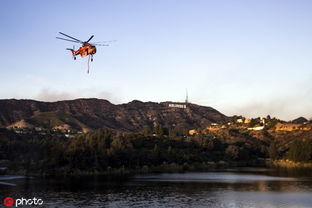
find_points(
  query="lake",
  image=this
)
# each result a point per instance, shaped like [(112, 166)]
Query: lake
[(245, 187)]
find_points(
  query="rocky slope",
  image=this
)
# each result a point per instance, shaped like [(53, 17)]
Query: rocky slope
[(84, 114)]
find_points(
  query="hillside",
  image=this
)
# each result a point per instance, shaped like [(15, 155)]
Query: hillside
[(89, 114)]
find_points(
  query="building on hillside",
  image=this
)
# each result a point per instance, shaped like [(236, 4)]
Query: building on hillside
[(213, 127), (256, 128), (192, 132), (239, 120), (247, 121)]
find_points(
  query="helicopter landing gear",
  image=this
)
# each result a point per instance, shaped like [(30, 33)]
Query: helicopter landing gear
[(91, 58), (74, 57)]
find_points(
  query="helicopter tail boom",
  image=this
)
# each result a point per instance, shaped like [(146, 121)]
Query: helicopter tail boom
[(73, 52)]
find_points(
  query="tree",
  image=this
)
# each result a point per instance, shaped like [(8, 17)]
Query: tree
[(300, 150), (273, 153), (232, 152), (158, 130), (146, 131)]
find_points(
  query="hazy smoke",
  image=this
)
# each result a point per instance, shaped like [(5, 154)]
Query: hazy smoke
[(286, 108), (52, 95), (49, 95)]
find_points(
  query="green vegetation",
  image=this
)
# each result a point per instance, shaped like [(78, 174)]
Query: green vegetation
[(157, 149), (300, 151)]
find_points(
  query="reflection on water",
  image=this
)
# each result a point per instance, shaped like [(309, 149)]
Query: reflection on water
[(221, 177), (230, 188)]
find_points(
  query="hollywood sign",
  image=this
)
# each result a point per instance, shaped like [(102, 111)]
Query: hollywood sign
[(174, 105)]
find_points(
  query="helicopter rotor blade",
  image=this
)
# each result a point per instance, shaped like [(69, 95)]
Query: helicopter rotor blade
[(68, 40), (99, 44), (107, 41), (71, 37), (90, 38)]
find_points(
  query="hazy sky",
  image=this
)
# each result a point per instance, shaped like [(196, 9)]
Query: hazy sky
[(250, 58)]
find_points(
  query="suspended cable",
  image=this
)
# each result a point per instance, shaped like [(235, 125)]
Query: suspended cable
[(89, 64)]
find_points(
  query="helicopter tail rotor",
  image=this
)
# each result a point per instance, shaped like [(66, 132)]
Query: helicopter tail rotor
[(73, 51)]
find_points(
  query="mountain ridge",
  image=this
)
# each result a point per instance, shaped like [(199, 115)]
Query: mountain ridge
[(94, 113)]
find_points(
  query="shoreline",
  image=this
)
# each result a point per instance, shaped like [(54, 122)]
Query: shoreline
[(163, 168), (285, 163), (167, 168)]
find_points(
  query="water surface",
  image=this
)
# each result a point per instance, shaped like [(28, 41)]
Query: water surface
[(227, 188)]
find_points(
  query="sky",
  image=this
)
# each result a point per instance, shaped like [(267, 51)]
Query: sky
[(242, 57)]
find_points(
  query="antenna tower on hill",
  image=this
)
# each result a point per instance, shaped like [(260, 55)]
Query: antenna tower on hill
[(186, 98)]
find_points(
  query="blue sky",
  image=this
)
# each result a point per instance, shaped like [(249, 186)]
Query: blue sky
[(250, 58)]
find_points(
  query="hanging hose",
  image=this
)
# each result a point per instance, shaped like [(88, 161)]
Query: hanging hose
[(88, 64)]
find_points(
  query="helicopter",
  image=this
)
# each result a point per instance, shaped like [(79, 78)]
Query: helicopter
[(86, 49)]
